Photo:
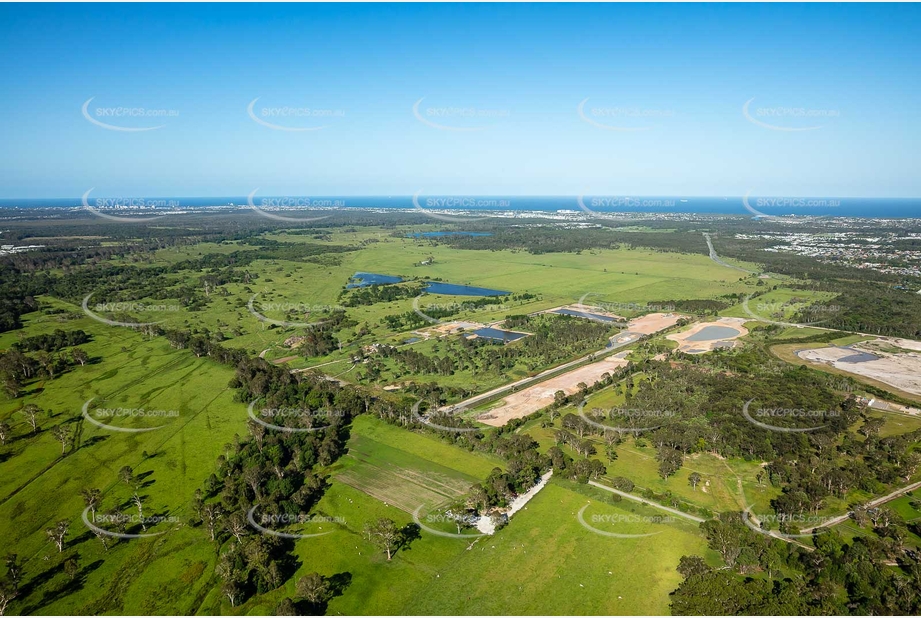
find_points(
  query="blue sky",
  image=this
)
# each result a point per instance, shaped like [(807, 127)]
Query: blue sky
[(665, 84)]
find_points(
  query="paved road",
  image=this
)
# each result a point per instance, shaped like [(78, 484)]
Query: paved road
[(718, 259), (645, 501), (544, 375)]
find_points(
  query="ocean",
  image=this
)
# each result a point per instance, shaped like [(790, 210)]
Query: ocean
[(776, 206)]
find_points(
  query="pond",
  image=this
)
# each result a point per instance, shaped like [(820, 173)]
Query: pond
[(362, 279), (499, 334), (710, 333), (452, 289), (365, 279), (585, 314)]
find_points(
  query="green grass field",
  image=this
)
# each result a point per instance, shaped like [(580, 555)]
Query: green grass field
[(39, 487), (624, 275), (543, 562)]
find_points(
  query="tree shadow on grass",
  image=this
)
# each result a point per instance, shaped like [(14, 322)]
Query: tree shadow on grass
[(94, 440), (337, 583), (409, 533), (70, 586)]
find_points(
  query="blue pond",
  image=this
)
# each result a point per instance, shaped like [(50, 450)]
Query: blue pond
[(498, 334), (452, 289), (709, 333), (360, 280), (585, 314), (437, 234), (366, 279)]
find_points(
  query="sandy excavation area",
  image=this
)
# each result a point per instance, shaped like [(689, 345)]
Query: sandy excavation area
[(902, 371), (533, 398), (653, 322), (696, 339)]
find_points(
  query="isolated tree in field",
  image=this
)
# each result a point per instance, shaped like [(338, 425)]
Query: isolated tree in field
[(31, 412), (13, 570), (71, 567), (103, 538), (313, 588), (57, 534), (694, 479), (91, 498), (126, 475), (80, 356), (139, 503), (5, 432), (385, 534), (118, 518), (7, 594), (61, 433)]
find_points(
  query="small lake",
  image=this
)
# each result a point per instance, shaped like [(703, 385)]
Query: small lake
[(437, 234), (710, 333), (585, 314), (499, 334), (451, 289), (360, 280)]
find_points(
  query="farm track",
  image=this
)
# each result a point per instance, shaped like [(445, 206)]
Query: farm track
[(667, 509)]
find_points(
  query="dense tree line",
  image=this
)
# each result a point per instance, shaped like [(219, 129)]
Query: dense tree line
[(53, 342), (768, 577), (376, 293)]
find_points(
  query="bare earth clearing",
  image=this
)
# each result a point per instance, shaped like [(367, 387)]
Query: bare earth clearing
[(902, 371), (698, 347), (533, 398), (653, 323)]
